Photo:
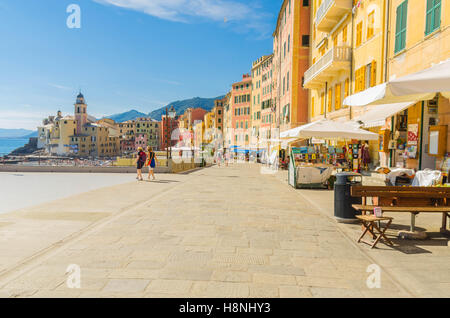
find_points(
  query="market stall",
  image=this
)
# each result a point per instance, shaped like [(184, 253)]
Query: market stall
[(341, 147)]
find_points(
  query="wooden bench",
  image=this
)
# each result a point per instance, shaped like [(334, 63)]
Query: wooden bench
[(412, 200)]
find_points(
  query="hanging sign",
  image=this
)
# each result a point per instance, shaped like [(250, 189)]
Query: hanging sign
[(413, 134)]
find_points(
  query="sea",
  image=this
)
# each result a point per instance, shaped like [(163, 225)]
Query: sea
[(9, 144)]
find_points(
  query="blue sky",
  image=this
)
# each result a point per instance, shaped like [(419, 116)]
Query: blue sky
[(128, 54)]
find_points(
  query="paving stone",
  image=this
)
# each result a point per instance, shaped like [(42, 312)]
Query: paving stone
[(164, 286), (231, 276), (274, 279), (125, 286), (294, 292)]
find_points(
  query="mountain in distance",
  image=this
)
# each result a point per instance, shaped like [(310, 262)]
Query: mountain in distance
[(17, 133), (181, 105), (130, 115)]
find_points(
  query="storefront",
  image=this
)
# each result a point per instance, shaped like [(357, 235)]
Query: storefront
[(330, 146), (411, 115)]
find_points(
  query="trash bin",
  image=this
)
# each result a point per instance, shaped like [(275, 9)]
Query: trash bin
[(343, 210)]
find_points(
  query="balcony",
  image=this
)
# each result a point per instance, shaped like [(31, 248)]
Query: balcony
[(328, 66), (330, 12)]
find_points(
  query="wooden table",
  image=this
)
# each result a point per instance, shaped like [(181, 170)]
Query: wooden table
[(370, 224)]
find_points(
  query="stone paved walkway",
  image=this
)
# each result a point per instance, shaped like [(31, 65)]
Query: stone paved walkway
[(217, 232)]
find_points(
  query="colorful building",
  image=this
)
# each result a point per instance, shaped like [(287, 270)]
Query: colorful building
[(419, 39), (291, 59), (167, 126), (241, 111), (263, 103), (149, 127)]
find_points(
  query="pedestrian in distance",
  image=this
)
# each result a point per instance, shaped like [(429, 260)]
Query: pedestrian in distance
[(151, 162), (140, 162)]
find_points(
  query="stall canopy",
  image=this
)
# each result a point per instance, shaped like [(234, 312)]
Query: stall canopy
[(423, 85), (329, 130), (377, 116)]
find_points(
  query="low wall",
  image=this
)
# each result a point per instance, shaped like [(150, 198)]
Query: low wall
[(63, 169)]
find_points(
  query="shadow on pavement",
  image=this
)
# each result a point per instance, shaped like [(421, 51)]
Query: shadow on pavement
[(161, 181)]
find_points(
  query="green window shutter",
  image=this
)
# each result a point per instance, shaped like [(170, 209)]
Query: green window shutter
[(433, 16), (437, 14), (400, 31)]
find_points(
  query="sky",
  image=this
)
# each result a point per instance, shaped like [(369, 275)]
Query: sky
[(126, 54)]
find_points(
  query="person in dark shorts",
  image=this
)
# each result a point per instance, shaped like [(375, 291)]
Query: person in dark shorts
[(140, 162), (151, 162)]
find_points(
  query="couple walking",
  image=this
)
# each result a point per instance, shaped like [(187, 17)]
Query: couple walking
[(146, 159)]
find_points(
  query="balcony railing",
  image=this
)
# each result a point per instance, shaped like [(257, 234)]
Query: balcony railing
[(335, 59), (330, 12)]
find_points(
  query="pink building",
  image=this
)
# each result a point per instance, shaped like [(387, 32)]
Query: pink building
[(241, 94), (141, 140)]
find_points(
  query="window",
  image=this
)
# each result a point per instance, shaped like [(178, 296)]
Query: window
[(305, 40), (400, 28), (305, 3), (360, 79), (433, 16), (368, 75), (370, 24), (373, 74), (337, 97), (289, 43), (287, 82), (329, 100), (359, 34), (344, 35), (322, 102)]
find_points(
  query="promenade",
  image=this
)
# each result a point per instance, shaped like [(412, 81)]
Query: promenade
[(215, 232)]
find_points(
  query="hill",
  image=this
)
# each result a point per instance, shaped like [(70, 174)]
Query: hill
[(181, 106), (17, 133), (130, 115)]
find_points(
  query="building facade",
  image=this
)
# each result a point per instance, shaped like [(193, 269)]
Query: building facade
[(241, 111), (291, 60)]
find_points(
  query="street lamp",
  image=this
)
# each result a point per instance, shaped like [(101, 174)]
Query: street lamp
[(170, 115)]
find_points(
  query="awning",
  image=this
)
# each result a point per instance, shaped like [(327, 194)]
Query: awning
[(422, 85), (329, 129), (377, 115)]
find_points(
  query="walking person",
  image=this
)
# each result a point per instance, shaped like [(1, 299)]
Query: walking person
[(140, 162), (151, 163)]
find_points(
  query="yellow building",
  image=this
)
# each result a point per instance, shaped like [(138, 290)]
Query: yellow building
[(347, 53), (127, 129), (209, 124), (63, 128), (419, 38)]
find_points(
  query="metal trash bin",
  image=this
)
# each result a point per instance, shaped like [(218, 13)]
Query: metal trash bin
[(343, 210)]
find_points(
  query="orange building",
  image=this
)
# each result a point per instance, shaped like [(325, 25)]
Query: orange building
[(291, 60)]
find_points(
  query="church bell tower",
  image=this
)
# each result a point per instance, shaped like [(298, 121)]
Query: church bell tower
[(80, 113)]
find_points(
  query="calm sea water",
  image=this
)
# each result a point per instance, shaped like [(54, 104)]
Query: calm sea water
[(9, 144)]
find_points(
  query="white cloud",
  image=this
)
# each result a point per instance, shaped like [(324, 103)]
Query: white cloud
[(187, 11), (60, 86)]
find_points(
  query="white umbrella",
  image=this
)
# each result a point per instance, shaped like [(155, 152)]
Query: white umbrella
[(422, 85), (329, 129)]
